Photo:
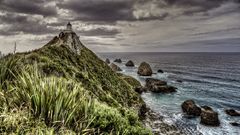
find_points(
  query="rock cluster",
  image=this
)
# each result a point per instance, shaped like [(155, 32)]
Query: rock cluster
[(232, 112), (156, 123), (207, 115)]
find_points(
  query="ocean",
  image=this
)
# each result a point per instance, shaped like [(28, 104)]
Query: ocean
[(211, 79)]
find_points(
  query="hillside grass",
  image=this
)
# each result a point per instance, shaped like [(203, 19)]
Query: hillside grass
[(54, 91)]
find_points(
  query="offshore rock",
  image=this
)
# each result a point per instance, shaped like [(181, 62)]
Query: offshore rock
[(160, 71), (107, 61), (118, 60), (114, 67), (209, 117), (144, 69), (130, 64), (158, 86), (232, 112), (190, 108)]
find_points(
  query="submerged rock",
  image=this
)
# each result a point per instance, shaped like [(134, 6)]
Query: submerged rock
[(151, 82), (232, 112), (114, 67), (209, 117), (180, 81), (206, 107), (130, 64), (140, 89), (144, 69), (190, 108), (142, 111), (235, 124), (118, 60), (107, 61), (160, 71), (164, 89)]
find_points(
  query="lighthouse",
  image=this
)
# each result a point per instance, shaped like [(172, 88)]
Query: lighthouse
[(69, 27)]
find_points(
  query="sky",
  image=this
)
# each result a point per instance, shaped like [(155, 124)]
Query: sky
[(124, 25)]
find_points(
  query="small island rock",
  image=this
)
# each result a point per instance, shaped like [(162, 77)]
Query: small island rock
[(130, 64), (118, 60), (114, 67), (142, 111), (151, 82), (232, 112), (180, 81), (209, 117), (144, 69), (140, 89), (160, 71), (107, 61), (158, 86), (206, 108), (190, 108), (235, 124)]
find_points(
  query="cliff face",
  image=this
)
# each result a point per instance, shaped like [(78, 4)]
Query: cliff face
[(102, 102)]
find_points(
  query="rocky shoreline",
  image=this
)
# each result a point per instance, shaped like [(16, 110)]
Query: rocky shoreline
[(155, 121), (150, 118)]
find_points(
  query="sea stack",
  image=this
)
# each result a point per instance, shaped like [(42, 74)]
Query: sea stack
[(144, 69), (130, 64), (190, 108), (209, 117)]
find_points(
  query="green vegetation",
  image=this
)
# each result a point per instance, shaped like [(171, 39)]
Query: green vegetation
[(130, 80), (54, 91)]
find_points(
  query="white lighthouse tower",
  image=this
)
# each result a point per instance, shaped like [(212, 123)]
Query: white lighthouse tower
[(69, 27)]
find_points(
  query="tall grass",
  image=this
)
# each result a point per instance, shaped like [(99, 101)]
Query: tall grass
[(8, 69), (58, 101)]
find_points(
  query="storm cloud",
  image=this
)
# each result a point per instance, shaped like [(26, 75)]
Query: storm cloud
[(123, 25), (40, 7)]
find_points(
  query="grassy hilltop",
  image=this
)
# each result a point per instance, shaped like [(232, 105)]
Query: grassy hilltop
[(55, 91)]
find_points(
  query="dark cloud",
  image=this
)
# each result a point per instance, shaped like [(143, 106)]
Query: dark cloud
[(100, 10), (100, 32), (16, 24), (106, 10), (217, 31), (195, 6), (38, 7)]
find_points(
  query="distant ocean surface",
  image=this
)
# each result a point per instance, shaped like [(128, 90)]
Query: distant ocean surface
[(211, 79)]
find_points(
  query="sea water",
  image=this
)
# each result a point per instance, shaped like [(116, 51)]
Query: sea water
[(211, 79)]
